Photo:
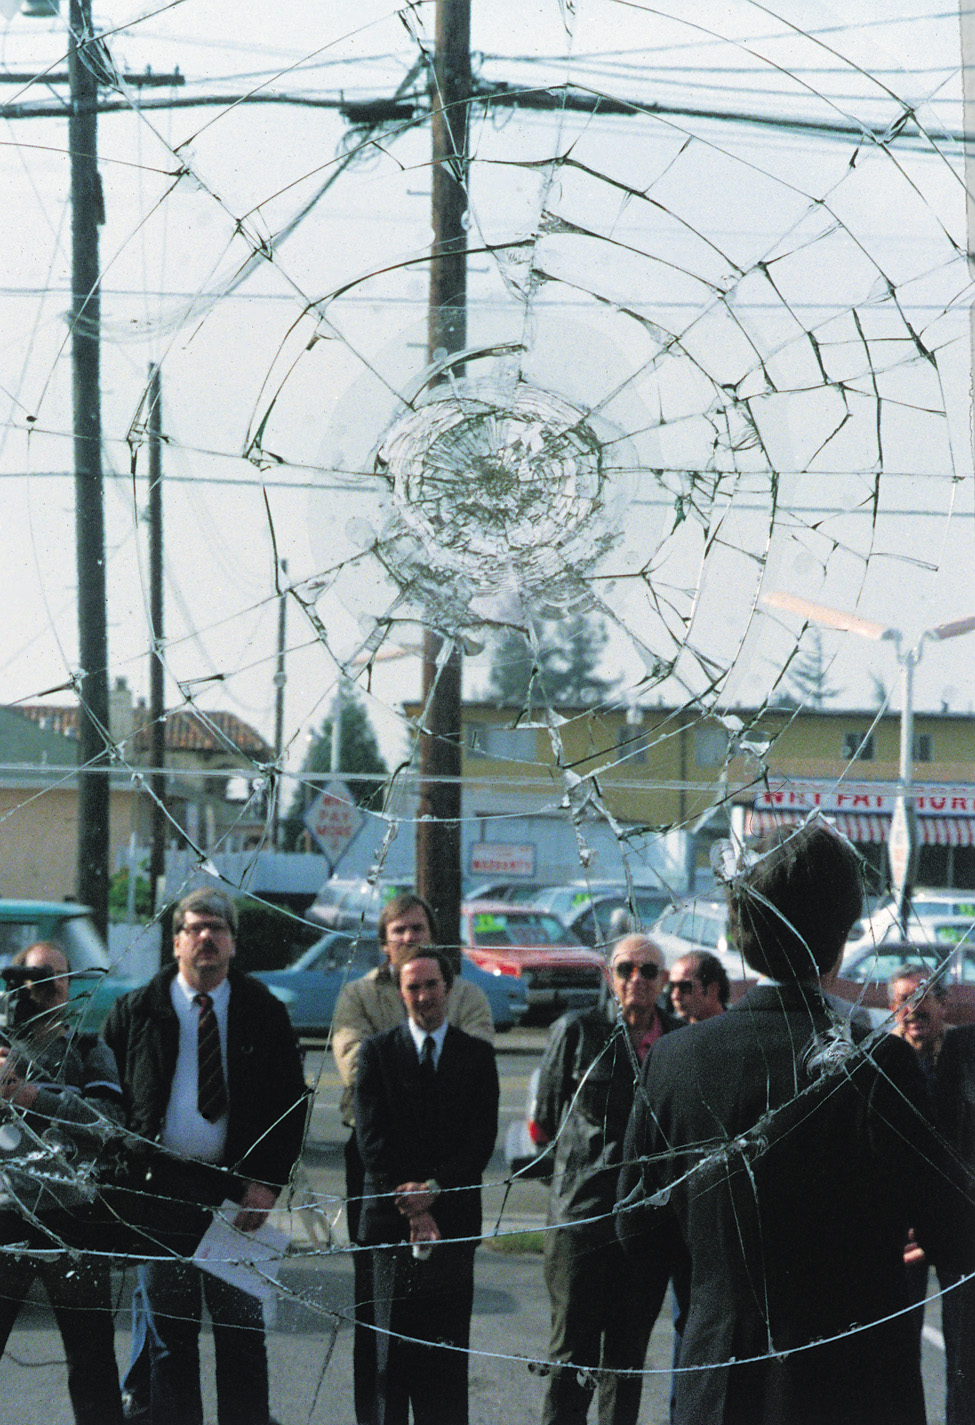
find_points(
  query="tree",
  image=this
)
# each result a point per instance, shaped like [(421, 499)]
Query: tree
[(808, 673), (359, 752), (569, 652)]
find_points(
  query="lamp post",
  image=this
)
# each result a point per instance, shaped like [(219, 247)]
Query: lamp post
[(908, 658)]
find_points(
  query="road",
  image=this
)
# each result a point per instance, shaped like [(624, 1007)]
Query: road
[(310, 1341)]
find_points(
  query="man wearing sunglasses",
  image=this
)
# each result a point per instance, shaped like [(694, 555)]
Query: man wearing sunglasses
[(699, 987), (603, 1303)]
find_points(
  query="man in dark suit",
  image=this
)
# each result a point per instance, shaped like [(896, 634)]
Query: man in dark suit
[(954, 1091), (791, 1156), (426, 1114)]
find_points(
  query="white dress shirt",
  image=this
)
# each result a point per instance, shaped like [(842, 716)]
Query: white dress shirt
[(185, 1131), (420, 1037)]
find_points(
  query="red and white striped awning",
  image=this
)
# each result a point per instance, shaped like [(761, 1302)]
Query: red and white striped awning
[(861, 829)]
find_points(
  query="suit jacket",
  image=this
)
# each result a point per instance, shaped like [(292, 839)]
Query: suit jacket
[(265, 1082), (585, 1093), (793, 1162), (404, 1137), (955, 1090)]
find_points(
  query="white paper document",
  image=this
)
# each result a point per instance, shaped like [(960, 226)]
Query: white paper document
[(249, 1260)]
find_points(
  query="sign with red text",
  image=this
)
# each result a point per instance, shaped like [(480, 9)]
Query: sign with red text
[(334, 820), (500, 858), (930, 799)]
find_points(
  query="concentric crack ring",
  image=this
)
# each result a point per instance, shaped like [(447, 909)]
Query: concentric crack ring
[(494, 493)]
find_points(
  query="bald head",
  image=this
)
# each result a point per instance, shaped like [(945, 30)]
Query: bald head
[(47, 994), (637, 969), (44, 956)]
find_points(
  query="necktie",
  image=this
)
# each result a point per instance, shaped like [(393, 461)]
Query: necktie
[(211, 1091), (427, 1062)]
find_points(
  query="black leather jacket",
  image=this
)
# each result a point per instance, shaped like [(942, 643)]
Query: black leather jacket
[(585, 1092), (265, 1081)]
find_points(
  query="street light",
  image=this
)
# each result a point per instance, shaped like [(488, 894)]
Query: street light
[(908, 658)]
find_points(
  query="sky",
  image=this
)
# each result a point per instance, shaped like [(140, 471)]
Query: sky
[(764, 330)]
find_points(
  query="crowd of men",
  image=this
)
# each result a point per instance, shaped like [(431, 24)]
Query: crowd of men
[(787, 1174)]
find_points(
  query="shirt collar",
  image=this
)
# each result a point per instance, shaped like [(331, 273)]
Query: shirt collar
[(419, 1035), (220, 994)]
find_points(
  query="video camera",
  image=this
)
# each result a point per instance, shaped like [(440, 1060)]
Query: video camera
[(26, 994)]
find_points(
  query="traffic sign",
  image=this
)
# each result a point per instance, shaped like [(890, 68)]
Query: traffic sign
[(334, 820)]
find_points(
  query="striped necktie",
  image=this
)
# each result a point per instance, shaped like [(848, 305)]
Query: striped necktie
[(211, 1091)]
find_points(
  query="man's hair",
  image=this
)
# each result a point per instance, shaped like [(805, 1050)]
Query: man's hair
[(207, 900), (635, 940), (431, 952), (710, 971), (791, 911), (398, 906), (930, 979), (21, 956)]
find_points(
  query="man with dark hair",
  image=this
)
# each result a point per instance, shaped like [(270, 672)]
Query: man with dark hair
[(426, 1108), (791, 1155), (917, 1002), (211, 1072), (604, 1305), (366, 1007), (699, 987)]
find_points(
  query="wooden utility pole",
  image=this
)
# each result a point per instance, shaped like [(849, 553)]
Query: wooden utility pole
[(438, 867), (157, 707), (87, 214)]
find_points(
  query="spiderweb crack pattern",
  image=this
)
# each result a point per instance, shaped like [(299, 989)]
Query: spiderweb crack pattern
[(718, 345)]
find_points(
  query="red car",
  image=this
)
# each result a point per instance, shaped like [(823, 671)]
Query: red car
[(556, 970)]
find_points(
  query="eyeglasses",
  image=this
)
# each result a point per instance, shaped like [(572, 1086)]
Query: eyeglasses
[(686, 987), (648, 971), (215, 927)]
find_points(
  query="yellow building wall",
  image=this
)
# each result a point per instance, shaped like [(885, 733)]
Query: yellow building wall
[(671, 767), (38, 840)]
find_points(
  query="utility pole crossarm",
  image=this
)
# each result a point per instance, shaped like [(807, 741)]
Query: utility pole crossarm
[(829, 617)]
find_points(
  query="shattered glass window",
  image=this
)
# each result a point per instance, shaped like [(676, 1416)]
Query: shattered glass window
[(689, 499)]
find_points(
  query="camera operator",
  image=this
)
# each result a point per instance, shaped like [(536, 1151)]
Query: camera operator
[(60, 1101)]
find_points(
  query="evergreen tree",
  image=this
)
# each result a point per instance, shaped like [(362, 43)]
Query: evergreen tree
[(809, 674), (569, 652), (359, 752)]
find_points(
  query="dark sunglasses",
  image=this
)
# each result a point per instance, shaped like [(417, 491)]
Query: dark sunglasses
[(625, 968), (686, 987)]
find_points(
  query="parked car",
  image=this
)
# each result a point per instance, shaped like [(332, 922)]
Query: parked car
[(69, 926), (525, 1145), (594, 921), (352, 904), (699, 924), (517, 891), (866, 971), (310, 987), (926, 904), (557, 972)]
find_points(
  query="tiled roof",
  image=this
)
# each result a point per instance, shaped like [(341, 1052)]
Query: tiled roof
[(190, 731), (186, 730)]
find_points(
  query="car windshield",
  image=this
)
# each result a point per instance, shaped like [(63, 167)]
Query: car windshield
[(878, 966), (356, 956), (75, 934), (498, 927)]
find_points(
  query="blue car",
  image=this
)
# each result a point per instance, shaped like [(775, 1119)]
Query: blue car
[(310, 987)]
